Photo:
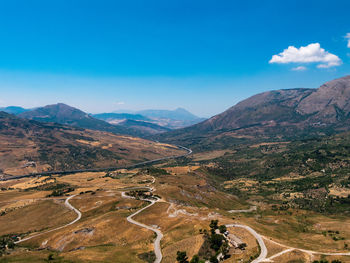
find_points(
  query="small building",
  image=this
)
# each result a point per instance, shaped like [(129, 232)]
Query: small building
[(235, 241)]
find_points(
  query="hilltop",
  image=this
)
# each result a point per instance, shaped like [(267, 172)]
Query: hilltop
[(13, 110)]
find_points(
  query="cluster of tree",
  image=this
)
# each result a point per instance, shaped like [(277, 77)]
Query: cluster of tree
[(154, 171), (217, 241), (345, 182), (60, 189), (326, 204), (54, 258), (140, 194), (6, 242), (214, 244), (181, 257), (149, 257)]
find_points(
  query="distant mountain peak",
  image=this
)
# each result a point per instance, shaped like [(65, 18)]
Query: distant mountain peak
[(177, 114)]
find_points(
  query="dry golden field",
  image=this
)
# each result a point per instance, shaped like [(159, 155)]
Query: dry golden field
[(189, 201)]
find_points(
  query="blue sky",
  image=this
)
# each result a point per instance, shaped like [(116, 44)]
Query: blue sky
[(204, 56)]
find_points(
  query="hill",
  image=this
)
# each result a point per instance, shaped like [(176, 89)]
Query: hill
[(14, 110), (278, 114), (143, 128), (29, 146), (115, 118)]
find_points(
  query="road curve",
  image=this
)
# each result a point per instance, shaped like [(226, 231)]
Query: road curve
[(263, 249), (157, 249), (69, 206), (310, 252)]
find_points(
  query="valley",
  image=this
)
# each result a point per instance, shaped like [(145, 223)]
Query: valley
[(175, 131), (119, 210), (271, 190)]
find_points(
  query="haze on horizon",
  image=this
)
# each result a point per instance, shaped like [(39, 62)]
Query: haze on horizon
[(203, 56)]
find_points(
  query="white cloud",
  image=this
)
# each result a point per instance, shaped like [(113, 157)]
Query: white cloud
[(348, 38), (300, 68), (120, 103), (312, 53)]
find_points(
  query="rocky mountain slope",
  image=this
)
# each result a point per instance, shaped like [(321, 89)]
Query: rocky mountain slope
[(278, 114)]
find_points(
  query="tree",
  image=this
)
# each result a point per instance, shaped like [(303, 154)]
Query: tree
[(216, 241), (242, 246), (213, 259), (222, 229), (214, 224), (50, 258), (195, 259), (11, 244), (225, 248), (182, 257)]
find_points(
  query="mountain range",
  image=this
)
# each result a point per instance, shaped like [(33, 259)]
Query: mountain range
[(67, 115), (277, 114), (134, 124), (273, 115)]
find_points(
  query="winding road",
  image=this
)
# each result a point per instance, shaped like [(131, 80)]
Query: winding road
[(157, 249), (309, 252), (263, 250), (69, 206), (259, 238)]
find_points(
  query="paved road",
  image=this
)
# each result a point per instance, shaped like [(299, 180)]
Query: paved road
[(157, 248), (69, 206), (263, 249), (270, 259), (309, 252)]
